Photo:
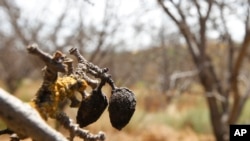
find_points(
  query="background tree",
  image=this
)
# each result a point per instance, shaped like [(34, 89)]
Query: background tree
[(59, 31), (222, 111)]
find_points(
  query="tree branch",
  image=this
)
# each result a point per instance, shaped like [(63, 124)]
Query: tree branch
[(178, 75), (24, 120), (161, 3), (236, 70), (184, 29), (14, 13)]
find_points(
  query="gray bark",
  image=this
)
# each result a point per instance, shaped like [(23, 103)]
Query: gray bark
[(24, 120)]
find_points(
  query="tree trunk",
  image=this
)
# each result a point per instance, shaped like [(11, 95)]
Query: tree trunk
[(220, 129)]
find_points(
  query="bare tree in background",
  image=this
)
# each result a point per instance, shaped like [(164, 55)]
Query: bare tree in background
[(222, 112), (65, 31)]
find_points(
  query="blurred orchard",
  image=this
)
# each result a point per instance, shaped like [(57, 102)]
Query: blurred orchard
[(186, 60)]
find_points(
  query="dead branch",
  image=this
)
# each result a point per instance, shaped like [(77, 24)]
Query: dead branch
[(24, 120), (178, 75), (75, 130)]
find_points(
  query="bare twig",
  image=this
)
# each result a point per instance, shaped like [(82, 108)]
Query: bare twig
[(24, 120), (75, 130), (94, 70)]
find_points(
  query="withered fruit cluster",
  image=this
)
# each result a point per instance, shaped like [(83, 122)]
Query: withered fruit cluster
[(57, 88)]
